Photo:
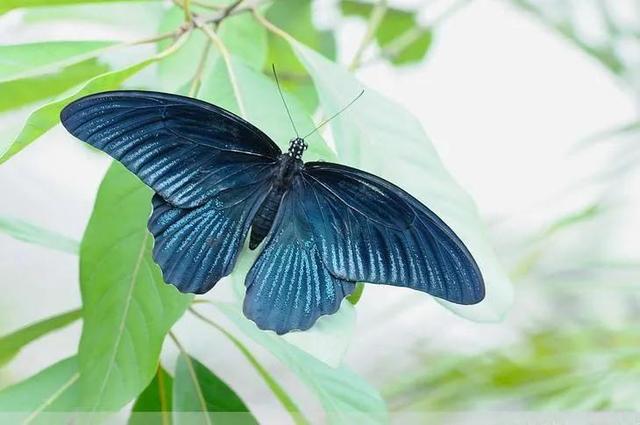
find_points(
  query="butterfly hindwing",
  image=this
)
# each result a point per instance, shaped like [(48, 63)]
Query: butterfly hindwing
[(185, 149), (196, 247), (369, 230), (289, 287)]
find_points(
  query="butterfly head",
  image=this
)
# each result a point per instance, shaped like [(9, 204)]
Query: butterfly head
[(297, 147)]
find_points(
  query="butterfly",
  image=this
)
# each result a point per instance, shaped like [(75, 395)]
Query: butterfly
[(322, 226)]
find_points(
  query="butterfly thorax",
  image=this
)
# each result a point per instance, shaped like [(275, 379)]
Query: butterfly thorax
[(297, 147), (289, 164)]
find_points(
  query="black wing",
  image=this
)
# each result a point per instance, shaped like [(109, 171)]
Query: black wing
[(369, 230), (185, 149), (210, 169), (289, 286)]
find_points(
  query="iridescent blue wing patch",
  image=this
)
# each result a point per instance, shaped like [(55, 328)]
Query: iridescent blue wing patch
[(185, 149), (368, 230), (289, 287)]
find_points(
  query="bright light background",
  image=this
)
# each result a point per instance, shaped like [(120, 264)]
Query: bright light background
[(505, 101)]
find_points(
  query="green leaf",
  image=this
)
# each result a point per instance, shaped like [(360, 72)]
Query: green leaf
[(197, 389), (381, 137), (153, 405), (11, 344), (28, 90), (7, 5), (398, 34), (127, 307), (33, 234), (27, 60), (345, 396), (295, 17), (139, 16), (47, 116), (55, 389)]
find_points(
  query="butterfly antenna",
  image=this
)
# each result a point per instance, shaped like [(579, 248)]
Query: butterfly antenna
[(275, 75), (335, 115)]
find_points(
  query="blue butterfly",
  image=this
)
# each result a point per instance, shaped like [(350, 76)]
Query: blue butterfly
[(325, 226)]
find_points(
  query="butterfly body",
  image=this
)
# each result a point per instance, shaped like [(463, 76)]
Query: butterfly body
[(289, 164), (322, 226)]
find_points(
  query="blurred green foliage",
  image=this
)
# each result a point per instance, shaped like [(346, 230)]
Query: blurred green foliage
[(400, 37)]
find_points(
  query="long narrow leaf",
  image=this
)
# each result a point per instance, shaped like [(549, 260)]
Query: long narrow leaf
[(7, 5), (55, 389), (18, 93), (11, 344), (33, 234), (28, 60), (44, 118)]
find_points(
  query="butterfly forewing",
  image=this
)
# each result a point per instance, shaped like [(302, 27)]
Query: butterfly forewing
[(367, 229), (185, 149), (210, 169)]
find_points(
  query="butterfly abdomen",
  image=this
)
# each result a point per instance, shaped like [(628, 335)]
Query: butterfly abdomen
[(263, 219)]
